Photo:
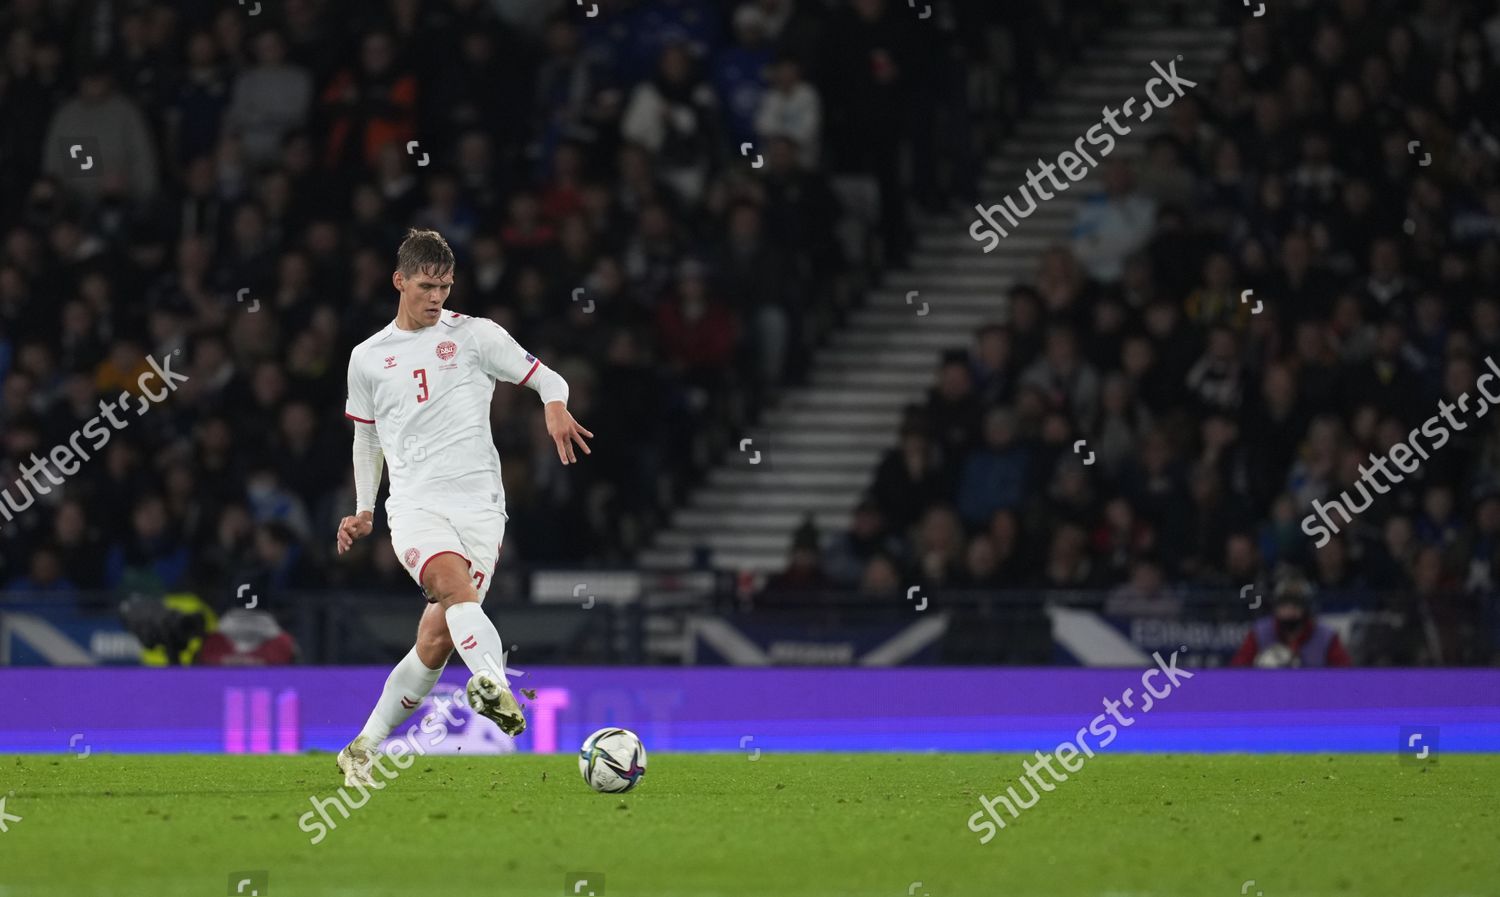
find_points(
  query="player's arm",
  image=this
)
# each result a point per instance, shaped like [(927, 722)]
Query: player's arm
[(564, 430), (504, 359), (369, 462)]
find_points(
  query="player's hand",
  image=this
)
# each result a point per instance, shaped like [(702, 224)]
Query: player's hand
[(356, 527), (565, 431)]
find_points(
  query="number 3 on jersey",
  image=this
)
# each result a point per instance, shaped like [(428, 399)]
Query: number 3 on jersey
[(421, 376)]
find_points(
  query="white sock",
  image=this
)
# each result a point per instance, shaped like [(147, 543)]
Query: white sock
[(477, 640), (406, 686)]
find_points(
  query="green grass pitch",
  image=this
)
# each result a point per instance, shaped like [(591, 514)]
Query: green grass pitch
[(785, 825)]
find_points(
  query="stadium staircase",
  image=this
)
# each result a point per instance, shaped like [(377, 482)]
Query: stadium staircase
[(816, 451)]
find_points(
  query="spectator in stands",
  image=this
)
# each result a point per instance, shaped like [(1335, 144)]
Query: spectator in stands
[(758, 282), (1069, 498), (993, 365), (370, 106), (126, 167), (153, 558), (202, 95), (1113, 224), (938, 548), (802, 215), (803, 574), (697, 332), (739, 74), (46, 576), (1481, 548), (1240, 566), (570, 88), (1214, 381), (1068, 565), (994, 475), (982, 569), (909, 479), (1146, 594), (881, 577), (1334, 574), (1215, 301), (77, 545), (1123, 419), (1440, 606), (1120, 539), (281, 561), (867, 68), (1212, 518), (1387, 291), (792, 109), (675, 116), (1011, 558), (1164, 178), (1068, 382), (270, 100), (850, 552)]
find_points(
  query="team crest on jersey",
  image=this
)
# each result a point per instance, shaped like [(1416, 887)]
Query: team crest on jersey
[(411, 557), (447, 349), (390, 361)]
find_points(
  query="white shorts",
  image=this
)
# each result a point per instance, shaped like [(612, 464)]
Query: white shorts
[(474, 534)]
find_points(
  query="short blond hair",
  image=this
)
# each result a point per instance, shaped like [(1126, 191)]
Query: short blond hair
[(425, 251)]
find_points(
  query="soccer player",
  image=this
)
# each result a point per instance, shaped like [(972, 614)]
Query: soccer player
[(419, 396)]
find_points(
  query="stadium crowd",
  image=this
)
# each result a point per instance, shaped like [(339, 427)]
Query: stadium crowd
[(1218, 420), (647, 198), (673, 202)]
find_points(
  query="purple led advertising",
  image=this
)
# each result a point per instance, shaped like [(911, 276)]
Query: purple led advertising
[(293, 709)]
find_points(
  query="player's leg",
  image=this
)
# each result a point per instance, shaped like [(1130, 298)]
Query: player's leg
[(405, 688), (448, 581), (415, 675), (412, 679)]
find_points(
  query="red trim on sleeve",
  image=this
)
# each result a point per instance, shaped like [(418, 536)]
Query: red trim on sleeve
[(536, 364), (359, 419)]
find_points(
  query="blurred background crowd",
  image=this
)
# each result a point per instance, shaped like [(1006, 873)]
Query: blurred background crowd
[(654, 202), (1218, 420), (644, 198)]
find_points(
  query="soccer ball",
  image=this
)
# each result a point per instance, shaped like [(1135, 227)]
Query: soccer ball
[(612, 760)]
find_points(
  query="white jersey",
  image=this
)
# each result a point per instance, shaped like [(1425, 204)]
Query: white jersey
[(428, 394)]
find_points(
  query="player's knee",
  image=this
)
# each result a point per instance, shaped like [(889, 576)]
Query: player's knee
[(451, 593), (439, 589), (449, 585)]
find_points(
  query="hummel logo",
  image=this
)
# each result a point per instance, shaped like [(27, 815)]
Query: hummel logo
[(390, 361), (470, 643), (409, 704)]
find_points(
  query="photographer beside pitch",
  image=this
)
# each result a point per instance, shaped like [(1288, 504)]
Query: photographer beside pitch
[(419, 394), (1290, 636)]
